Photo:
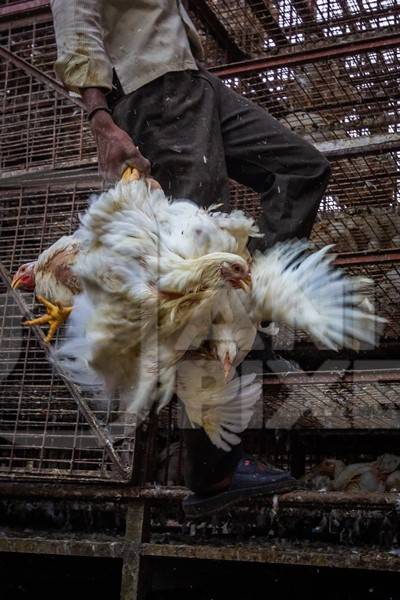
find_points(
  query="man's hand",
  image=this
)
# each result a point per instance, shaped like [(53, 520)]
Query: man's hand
[(115, 149)]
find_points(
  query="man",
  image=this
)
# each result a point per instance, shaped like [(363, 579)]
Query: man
[(137, 66)]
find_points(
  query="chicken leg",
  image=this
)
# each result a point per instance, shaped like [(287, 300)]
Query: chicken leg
[(132, 174), (56, 316)]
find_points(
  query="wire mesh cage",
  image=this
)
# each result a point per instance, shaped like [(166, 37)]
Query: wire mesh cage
[(258, 27), (31, 38), (49, 428), (299, 420), (349, 107), (40, 127)]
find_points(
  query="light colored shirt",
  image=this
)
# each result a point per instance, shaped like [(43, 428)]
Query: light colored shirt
[(140, 39)]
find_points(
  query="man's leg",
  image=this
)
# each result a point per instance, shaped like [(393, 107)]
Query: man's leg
[(288, 172), (176, 123)]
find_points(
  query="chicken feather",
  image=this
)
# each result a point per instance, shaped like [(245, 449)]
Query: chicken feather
[(223, 409), (307, 292)]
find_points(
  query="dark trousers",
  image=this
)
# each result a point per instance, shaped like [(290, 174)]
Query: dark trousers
[(197, 133)]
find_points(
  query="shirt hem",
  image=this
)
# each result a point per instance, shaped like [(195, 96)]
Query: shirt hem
[(132, 86)]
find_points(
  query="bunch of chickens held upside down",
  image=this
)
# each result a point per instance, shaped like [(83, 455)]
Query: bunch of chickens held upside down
[(168, 300)]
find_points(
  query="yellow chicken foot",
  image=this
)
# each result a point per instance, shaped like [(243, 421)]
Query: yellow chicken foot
[(56, 316), (130, 174)]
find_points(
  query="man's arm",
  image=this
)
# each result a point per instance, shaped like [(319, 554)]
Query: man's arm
[(84, 67), (115, 149)]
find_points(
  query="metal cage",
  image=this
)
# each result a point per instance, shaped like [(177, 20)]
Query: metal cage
[(327, 69), (49, 428)]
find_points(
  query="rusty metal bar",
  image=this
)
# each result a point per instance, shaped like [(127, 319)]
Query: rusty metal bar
[(270, 25), (133, 580), (39, 75), (99, 492), (93, 491), (289, 553), (103, 437), (368, 258), (285, 553), (360, 146), (66, 172), (17, 8), (64, 546), (308, 56), (217, 29), (327, 377)]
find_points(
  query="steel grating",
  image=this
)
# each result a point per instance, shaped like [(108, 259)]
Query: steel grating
[(331, 98), (331, 400), (324, 400), (40, 128), (31, 38), (259, 27), (48, 427), (359, 211)]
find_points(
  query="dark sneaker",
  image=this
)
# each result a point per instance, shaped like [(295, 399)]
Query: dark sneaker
[(250, 478)]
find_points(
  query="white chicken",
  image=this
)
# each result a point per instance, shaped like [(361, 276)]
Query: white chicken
[(150, 300), (53, 281), (306, 292), (157, 275), (233, 330), (299, 289), (369, 477)]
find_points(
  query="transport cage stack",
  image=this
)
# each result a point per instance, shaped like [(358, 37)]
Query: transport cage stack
[(330, 71)]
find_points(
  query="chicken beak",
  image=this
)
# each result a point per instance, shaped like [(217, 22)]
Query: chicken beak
[(245, 283), (16, 282), (227, 366)]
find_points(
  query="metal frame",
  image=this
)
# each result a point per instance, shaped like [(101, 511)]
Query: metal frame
[(391, 40), (23, 7), (39, 75), (103, 437), (136, 546)]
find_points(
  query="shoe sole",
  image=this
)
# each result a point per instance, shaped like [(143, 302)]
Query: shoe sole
[(210, 506)]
